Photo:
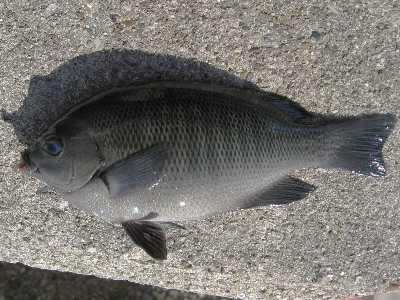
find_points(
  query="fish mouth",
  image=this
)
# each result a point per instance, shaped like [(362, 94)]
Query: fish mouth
[(27, 164)]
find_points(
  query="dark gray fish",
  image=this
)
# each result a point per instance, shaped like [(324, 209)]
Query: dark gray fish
[(147, 156)]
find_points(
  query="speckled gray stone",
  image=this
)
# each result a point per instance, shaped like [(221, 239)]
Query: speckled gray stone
[(340, 57)]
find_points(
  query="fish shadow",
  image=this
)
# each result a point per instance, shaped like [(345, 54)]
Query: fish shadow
[(51, 96)]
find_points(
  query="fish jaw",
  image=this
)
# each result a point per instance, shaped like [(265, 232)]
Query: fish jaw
[(27, 164), (21, 166)]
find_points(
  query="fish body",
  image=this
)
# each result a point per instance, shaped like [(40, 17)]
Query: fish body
[(147, 156)]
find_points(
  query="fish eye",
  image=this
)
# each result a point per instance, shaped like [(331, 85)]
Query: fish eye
[(53, 147)]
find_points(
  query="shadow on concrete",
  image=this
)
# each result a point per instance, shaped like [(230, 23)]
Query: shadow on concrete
[(85, 76)]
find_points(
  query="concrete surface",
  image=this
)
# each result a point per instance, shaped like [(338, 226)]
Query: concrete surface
[(20, 282), (337, 57)]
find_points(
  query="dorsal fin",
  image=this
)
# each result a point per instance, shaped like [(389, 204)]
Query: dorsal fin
[(289, 107)]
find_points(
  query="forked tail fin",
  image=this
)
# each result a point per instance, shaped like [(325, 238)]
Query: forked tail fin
[(356, 144)]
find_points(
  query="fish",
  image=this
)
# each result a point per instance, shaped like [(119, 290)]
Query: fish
[(148, 156)]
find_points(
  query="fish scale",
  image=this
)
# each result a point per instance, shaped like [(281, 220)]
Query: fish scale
[(149, 155), (236, 126)]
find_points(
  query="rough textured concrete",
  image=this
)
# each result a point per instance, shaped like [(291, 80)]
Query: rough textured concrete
[(336, 58), (20, 282)]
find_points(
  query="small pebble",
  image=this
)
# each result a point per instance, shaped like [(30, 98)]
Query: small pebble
[(92, 23), (305, 45), (113, 18), (50, 10), (358, 279), (92, 250), (140, 26), (332, 8), (129, 22), (37, 3), (80, 15), (315, 36), (117, 34), (250, 76)]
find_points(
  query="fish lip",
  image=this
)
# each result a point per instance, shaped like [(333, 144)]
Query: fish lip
[(28, 163)]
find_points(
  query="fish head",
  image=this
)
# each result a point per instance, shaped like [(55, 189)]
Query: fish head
[(65, 157)]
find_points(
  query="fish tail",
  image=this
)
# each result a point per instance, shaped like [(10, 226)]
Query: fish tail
[(356, 144)]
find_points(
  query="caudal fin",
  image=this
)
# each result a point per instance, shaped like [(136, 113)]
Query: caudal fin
[(357, 144)]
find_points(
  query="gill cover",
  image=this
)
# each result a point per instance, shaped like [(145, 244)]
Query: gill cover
[(65, 157)]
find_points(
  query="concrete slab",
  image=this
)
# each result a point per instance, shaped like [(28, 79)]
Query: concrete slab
[(335, 58)]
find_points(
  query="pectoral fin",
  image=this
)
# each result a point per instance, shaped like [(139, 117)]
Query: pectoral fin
[(145, 167), (148, 235), (285, 190)]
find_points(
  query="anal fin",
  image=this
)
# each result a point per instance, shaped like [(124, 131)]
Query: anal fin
[(286, 190), (148, 235)]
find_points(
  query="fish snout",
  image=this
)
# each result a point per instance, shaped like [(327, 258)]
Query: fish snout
[(27, 163)]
